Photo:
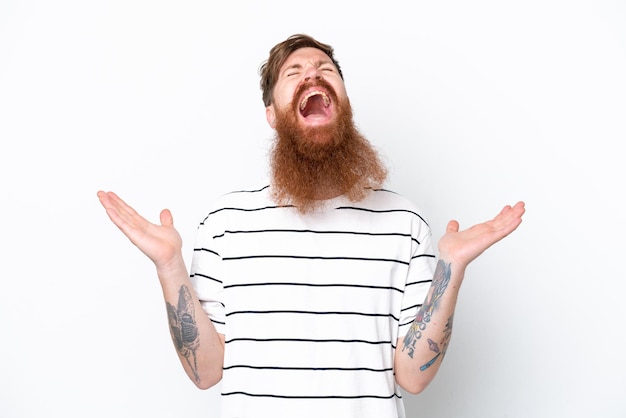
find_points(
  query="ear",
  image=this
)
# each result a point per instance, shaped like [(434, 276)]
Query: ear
[(270, 115)]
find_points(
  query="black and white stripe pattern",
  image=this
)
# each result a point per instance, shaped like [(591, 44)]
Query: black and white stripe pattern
[(311, 306)]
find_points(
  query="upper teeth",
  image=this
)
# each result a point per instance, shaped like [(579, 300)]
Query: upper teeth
[(311, 94)]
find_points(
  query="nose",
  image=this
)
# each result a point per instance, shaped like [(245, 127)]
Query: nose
[(312, 72)]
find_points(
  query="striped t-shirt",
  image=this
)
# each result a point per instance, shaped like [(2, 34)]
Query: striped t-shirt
[(312, 305)]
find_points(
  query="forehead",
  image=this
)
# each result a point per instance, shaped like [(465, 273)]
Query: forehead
[(304, 55)]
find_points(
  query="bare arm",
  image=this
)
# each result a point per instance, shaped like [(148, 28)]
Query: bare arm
[(200, 348), (420, 353)]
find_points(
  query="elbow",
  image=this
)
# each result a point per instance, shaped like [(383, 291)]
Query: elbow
[(411, 384), (206, 382), (414, 388)]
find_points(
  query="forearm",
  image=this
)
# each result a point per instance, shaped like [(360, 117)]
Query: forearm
[(198, 345), (420, 353)]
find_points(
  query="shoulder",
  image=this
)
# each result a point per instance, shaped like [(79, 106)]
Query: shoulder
[(386, 199), (249, 198), (245, 198), (242, 200)]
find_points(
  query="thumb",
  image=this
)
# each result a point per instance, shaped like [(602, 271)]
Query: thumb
[(453, 226), (166, 218)]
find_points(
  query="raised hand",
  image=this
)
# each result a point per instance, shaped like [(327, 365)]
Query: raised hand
[(462, 247), (161, 243)]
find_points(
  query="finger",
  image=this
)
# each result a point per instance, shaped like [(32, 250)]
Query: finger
[(104, 199), (508, 213), (113, 213), (122, 215), (120, 204), (514, 214), (453, 226), (111, 201), (508, 219), (117, 220), (126, 212), (519, 208), (110, 207), (166, 218)]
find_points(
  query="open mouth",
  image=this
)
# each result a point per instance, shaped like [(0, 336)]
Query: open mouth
[(315, 103)]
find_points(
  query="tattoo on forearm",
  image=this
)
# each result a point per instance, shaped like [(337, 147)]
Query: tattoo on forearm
[(184, 329), (447, 333), (441, 280)]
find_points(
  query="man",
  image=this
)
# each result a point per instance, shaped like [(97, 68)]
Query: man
[(317, 295)]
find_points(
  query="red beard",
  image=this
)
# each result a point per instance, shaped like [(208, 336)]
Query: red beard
[(312, 164)]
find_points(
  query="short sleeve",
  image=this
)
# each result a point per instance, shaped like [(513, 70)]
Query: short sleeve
[(420, 274), (205, 275)]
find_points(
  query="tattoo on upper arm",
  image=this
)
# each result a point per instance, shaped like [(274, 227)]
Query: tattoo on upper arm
[(184, 329), (441, 280)]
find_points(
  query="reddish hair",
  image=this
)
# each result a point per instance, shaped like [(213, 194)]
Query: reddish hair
[(278, 55)]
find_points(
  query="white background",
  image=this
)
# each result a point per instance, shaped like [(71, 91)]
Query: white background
[(474, 105)]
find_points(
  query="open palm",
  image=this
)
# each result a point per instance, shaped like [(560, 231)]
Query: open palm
[(161, 243), (462, 247)]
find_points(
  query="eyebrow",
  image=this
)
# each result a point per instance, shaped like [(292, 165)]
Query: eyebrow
[(318, 63)]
